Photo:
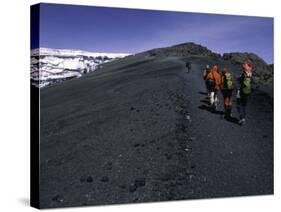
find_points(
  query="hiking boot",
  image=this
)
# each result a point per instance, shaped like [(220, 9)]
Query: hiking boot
[(214, 108), (228, 114), (242, 121)]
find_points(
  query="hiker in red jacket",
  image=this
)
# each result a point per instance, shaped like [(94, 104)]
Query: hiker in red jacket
[(214, 83)]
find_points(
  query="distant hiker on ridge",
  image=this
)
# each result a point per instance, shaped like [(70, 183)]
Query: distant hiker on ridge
[(206, 71), (245, 89), (214, 83), (188, 66), (227, 87)]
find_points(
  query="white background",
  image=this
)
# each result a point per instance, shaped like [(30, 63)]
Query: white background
[(14, 103)]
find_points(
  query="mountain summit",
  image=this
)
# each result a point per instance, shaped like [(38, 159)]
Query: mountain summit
[(185, 49), (263, 72)]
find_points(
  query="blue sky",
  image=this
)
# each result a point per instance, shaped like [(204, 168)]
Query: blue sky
[(102, 29)]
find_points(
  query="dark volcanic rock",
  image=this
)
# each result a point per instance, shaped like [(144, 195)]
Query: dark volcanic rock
[(139, 182), (184, 50), (58, 198), (88, 179), (132, 188), (104, 179)]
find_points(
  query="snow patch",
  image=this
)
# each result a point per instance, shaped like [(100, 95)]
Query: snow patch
[(50, 66)]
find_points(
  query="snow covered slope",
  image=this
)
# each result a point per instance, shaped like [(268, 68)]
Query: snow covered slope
[(50, 66)]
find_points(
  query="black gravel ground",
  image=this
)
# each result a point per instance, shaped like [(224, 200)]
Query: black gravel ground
[(139, 130)]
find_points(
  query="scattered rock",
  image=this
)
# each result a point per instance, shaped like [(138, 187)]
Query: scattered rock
[(191, 177), (139, 182), (192, 138), (136, 200), (132, 108), (132, 188), (89, 179), (136, 145), (58, 198), (104, 179)]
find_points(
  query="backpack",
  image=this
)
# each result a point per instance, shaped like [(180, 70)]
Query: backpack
[(246, 86), (211, 82), (207, 71), (228, 82)]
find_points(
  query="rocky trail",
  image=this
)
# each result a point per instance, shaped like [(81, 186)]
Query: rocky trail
[(230, 159)]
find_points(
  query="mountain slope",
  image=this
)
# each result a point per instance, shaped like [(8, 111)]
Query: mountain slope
[(139, 129)]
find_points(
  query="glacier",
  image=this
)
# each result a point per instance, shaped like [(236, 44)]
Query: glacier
[(49, 66)]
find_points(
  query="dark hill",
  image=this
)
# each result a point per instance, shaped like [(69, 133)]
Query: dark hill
[(263, 73), (184, 50)]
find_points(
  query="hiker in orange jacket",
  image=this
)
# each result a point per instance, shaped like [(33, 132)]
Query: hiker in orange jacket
[(227, 87), (214, 83)]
